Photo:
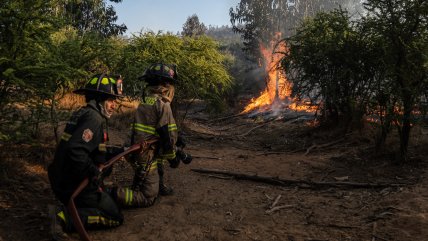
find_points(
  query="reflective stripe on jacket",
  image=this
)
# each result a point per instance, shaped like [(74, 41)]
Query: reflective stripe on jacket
[(79, 151), (153, 115)]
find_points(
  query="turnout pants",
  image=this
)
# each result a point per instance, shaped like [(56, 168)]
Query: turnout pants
[(101, 209), (144, 196), (97, 209)]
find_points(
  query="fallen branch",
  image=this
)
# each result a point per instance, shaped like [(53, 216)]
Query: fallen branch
[(292, 119), (278, 152), (225, 118), (271, 153), (298, 183), (268, 197), (207, 157), (230, 127), (341, 226), (221, 177), (377, 237), (274, 209), (252, 129), (295, 151), (276, 201), (315, 146), (233, 231)]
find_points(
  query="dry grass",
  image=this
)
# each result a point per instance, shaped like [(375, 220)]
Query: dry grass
[(120, 120), (70, 101), (124, 116)]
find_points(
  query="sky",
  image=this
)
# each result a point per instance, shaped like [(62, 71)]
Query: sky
[(170, 15)]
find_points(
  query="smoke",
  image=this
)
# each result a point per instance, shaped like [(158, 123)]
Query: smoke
[(354, 7), (253, 80)]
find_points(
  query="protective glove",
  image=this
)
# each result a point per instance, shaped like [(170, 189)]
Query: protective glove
[(173, 163), (112, 151), (186, 158), (181, 142), (97, 177)]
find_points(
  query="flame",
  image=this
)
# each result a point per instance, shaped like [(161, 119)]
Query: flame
[(376, 116), (278, 88)]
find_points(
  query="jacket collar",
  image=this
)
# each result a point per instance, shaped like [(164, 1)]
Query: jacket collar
[(94, 105)]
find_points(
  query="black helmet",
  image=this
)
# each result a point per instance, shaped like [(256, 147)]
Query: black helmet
[(102, 85), (160, 73)]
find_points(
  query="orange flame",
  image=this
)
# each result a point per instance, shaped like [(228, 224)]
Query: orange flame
[(278, 89)]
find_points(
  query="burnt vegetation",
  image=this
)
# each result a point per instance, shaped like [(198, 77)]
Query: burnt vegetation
[(367, 60), (362, 67)]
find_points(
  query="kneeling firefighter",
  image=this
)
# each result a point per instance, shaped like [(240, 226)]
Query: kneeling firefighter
[(83, 148), (81, 153), (154, 119)]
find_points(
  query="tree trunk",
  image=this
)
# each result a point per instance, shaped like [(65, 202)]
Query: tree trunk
[(385, 125), (405, 131), (54, 118)]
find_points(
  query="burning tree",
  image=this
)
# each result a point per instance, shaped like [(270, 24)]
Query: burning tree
[(261, 24), (330, 63), (278, 89), (377, 64), (277, 86)]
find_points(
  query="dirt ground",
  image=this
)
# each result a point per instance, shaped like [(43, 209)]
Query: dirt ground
[(219, 207)]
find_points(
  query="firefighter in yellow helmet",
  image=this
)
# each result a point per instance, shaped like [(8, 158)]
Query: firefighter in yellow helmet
[(154, 119), (84, 147)]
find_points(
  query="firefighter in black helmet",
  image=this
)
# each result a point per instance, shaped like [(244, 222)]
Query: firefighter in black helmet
[(82, 147), (154, 118)]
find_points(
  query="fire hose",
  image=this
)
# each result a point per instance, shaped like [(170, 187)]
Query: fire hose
[(72, 206)]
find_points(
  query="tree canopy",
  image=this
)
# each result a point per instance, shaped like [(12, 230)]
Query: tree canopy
[(48, 48), (90, 16), (192, 27), (201, 67), (258, 20)]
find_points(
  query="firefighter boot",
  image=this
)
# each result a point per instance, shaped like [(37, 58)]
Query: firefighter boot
[(57, 231), (164, 190)]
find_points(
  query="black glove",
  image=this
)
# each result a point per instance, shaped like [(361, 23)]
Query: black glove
[(106, 172), (139, 176), (173, 163), (184, 157), (112, 151), (97, 177), (181, 142)]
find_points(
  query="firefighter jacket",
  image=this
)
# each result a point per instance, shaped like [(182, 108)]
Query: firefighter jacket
[(81, 148), (154, 118)]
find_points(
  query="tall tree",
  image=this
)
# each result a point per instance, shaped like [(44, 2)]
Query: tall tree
[(90, 16), (30, 72), (258, 20), (192, 27), (402, 28)]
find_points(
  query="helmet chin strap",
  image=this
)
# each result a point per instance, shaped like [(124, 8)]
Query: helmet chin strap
[(103, 109)]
